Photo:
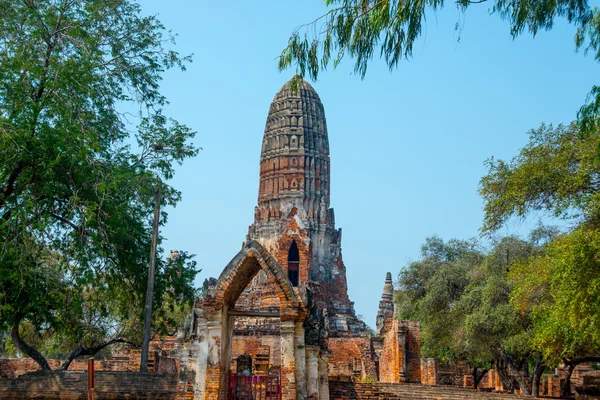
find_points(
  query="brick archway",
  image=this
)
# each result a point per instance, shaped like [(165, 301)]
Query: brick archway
[(240, 271), (221, 300)]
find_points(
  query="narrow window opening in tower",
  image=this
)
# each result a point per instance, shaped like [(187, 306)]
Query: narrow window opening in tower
[(293, 264)]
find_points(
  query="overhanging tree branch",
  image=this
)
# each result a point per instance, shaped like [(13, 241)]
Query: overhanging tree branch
[(90, 351)]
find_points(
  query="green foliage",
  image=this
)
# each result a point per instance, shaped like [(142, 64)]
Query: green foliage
[(555, 172), (76, 196), (560, 289), (461, 294), (430, 290), (364, 28), (556, 288), (588, 39), (359, 28), (367, 380), (493, 327)]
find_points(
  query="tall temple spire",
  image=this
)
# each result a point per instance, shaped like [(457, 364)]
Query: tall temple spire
[(293, 219), (386, 304), (294, 162)]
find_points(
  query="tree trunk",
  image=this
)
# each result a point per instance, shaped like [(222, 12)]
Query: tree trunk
[(516, 376), (571, 364), (537, 376), (474, 375), (507, 381), (90, 351), (565, 391), (27, 349), (477, 377), (74, 354)]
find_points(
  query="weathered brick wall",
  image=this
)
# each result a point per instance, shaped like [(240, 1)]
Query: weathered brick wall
[(589, 388), (351, 357), (397, 335), (491, 380), (15, 367), (554, 385), (414, 350), (429, 371), (109, 385), (453, 374), (125, 360), (551, 386), (251, 345), (390, 363), (579, 372), (281, 249), (429, 375)]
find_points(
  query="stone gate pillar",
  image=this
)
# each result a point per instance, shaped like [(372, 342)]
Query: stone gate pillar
[(213, 357), (324, 357), (300, 361), (402, 340), (312, 372), (202, 358), (288, 368)]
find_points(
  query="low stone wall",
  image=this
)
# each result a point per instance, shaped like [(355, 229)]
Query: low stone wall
[(589, 388), (453, 374), (15, 367), (72, 385)]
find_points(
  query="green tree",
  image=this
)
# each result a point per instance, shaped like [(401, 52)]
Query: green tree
[(558, 288), (560, 291), (554, 173), (362, 28), (461, 295), (83, 146), (430, 291), (493, 326)]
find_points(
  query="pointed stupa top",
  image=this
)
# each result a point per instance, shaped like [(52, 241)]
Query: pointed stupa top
[(386, 305), (388, 286), (295, 87), (294, 161)]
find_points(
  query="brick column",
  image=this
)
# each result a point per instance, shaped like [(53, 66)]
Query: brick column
[(300, 360), (288, 368), (312, 372), (324, 375)]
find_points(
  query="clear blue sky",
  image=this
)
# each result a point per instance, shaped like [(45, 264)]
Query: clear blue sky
[(407, 147)]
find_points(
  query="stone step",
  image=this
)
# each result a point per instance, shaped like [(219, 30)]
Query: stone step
[(386, 391)]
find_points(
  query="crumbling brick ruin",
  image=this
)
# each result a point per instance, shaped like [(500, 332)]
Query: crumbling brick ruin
[(280, 312), (294, 226)]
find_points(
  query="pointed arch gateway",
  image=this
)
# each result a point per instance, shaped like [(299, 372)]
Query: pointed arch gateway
[(219, 310)]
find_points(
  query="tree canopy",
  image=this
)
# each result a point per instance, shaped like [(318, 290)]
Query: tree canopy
[(461, 294), (84, 144), (362, 29), (556, 289), (560, 290), (555, 172)]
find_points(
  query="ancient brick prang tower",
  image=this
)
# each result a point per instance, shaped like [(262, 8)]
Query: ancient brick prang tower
[(293, 218), (294, 162), (282, 302)]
